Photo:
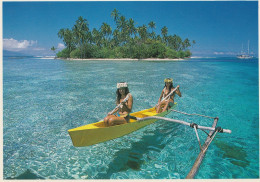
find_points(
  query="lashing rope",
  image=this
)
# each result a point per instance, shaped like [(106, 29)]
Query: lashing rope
[(212, 137), (195, 126), (217, 130)]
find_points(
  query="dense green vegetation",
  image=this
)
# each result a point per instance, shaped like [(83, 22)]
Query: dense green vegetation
[(126, 41)]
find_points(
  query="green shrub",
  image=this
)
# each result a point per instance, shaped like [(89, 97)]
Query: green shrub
[(157, 49), (150, 49), (181, 54), (188, 53), (65, 53), (170, 53), (118, 52), (75, 53)]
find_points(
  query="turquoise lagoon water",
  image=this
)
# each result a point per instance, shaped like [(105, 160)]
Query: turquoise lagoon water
[(43, 98)]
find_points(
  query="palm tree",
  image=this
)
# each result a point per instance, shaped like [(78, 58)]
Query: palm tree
[(152, 26), (81, 29), (115, 14), (158, 38), (116, 37), (106, 31), (123, 28), (186, 44), (131, 27), (97, 37), (53, 49), (121, 23), (61, 34), (142, 32), (164, 32), (193, 43), (175, 42), (68, 38)]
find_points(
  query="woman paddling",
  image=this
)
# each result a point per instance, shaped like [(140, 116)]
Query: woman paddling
[(124, 103), (166, 103)]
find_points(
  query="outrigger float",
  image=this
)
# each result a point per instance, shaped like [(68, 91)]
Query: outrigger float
[(97, 132)]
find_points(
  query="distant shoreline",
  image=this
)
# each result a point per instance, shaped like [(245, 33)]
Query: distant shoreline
[(122, 59)]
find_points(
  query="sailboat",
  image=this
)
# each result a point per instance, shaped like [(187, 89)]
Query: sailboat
[(244, 56)]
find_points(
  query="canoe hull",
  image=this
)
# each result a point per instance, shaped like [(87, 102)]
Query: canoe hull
[(97, 132)]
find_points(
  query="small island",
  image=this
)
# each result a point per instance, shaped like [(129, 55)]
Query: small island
[(125, 42)]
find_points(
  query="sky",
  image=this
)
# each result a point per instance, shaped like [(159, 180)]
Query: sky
[(220, 28)]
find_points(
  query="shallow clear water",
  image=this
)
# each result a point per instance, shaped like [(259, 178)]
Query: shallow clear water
[(44, 98)]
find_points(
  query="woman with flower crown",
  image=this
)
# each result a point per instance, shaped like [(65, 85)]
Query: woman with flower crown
[(124, 101), (166, 101)]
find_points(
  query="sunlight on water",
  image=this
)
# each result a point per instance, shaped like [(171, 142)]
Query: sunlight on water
[(43, 98)]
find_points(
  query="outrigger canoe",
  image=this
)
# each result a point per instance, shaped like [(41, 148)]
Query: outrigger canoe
[(97, 132)]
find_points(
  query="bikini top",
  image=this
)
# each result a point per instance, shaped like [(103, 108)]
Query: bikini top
[(164, 95), (128, 95)]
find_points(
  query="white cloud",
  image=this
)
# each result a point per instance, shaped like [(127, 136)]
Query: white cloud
[(61, 46), (15, 45), (27, 47), (38, 49)]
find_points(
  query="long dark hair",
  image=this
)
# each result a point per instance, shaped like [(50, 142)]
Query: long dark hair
[(170, 88), (118, 95)]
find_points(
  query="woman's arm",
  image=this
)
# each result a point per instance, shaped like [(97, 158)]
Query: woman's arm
[(113, 112), (129, 104), (178, 92), (160, 98)]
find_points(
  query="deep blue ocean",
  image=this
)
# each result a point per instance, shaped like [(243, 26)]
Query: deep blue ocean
[(43, 98)]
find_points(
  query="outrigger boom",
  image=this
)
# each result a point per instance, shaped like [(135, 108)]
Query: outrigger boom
[(186, 123)]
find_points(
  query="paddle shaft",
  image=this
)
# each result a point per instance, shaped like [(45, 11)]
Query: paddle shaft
[(126, 98), (169, 95)]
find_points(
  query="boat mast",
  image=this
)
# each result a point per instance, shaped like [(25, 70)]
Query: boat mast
[(248, 47)]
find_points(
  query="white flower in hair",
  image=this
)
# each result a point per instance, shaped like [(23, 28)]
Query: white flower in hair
[(122, 85)]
